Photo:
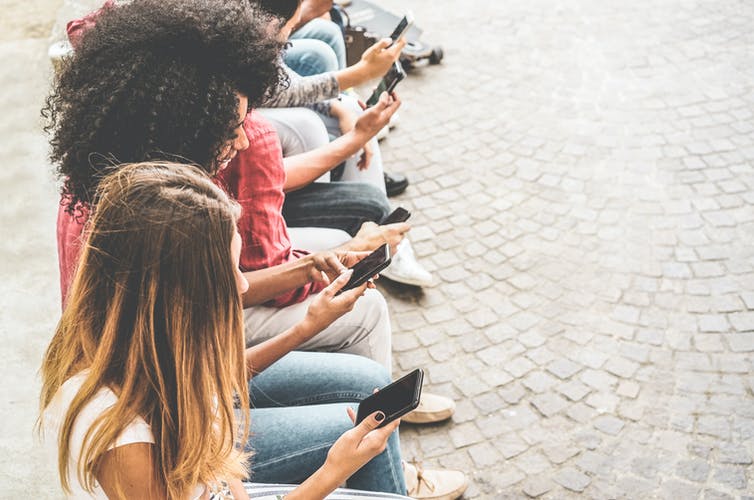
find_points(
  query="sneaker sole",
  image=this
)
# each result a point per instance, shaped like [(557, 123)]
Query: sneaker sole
[(407, 281), (427, 417)]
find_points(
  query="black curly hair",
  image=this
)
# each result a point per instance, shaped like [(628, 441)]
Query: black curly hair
[(157, 79)]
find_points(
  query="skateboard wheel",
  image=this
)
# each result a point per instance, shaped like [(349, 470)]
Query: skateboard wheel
[(436, 55)]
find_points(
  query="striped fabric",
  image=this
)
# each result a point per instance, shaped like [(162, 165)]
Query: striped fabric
[(276, 492)]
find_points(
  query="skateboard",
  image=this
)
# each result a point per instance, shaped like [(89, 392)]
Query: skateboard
[(381, 22)]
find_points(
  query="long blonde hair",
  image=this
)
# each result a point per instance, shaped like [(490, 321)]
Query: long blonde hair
[(154, 315)]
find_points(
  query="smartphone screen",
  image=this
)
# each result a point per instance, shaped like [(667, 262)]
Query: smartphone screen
[(388, 83), (367, 267), (400, 214), (394, 400), (402, 27)]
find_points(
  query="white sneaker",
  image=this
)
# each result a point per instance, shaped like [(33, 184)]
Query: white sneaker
[(405, 269), (394, 120)]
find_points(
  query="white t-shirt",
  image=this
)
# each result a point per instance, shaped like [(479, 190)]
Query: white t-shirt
[(137, 432)]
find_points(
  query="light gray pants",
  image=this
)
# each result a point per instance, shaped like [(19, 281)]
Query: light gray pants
[(364, 331), (301, 130)]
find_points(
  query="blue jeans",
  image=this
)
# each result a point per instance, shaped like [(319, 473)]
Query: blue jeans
[(326, 32), (299, 410)]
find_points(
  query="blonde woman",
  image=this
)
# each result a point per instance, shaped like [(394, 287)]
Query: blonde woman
[(143, 376)]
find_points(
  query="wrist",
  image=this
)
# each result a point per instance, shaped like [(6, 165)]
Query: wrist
[(332, 474)]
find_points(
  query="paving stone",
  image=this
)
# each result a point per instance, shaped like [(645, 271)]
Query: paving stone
[(549, 404), (694, 470), (673, 488), (538, 381), (484, 455), (519, 367), (734, 454), (700, 450), (598, 379), (537, 486), (609, 424), (574, 390), (465, 434), (603, 402), (743, 321), (628, 389), (511, 446), (711, 494), (731, 477), (563, 368), (531, 462), (572, 479), (560, 454)]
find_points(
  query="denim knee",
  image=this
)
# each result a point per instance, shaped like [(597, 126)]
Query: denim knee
[(365, 375), (311, 57), (328, 32)]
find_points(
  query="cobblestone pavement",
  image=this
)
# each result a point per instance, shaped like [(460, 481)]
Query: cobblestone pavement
[(583, 186)]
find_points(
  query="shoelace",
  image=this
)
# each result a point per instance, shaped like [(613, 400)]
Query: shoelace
[(420, 476)]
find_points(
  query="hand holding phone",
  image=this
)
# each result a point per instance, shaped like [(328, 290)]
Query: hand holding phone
[(394, 400), (388, 83), (368, 267)]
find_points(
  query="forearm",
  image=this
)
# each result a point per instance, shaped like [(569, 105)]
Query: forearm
[(261, 356), (237, 490), (267, 284), (303, 169), (317, 486), (353, 76)]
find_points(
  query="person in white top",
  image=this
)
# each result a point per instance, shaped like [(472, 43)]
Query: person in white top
[(142, 378)]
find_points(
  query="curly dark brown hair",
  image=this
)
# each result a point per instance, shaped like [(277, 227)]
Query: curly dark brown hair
[(157, 79)]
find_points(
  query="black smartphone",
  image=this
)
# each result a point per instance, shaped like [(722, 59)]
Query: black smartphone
[(400, 214), (366, 268), (388, 83), (403, 26), (394, 400)]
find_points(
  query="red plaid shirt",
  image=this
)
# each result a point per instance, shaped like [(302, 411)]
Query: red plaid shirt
[(255, 178)]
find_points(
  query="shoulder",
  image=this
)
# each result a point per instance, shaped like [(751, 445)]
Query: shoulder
[(138, 431)]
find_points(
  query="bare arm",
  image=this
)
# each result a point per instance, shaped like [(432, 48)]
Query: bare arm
[(128, 472), (326, 308), (266, 284), (302, 169)]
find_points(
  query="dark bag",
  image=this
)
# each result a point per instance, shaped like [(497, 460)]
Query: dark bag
[(357, 38)]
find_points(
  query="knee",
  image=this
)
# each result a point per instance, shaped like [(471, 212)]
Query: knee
[(368, 373), (300, 129), (311, 57), (376, 202), (328, 32)]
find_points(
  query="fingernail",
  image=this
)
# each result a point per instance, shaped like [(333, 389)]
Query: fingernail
[(380, 416)]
